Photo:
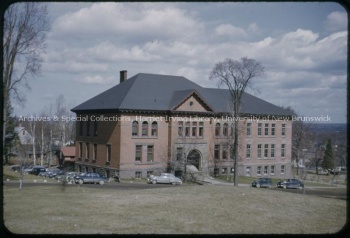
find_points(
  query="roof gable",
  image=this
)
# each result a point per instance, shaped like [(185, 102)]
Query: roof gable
[(189, 100)]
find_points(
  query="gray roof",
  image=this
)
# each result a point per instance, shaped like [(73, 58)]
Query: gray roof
[(152, 92)]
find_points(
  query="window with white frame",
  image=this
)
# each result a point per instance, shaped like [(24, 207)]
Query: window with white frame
[(283, 168), (273, 129), (217, 152), (247, 171), (223, 171), (135, 128), (247, 154), (258, 171), (225, 130), (266, 170), (283, 150), (87, 150), (259, 129), (108, 153), (138, 153), (154, 129), (94, 156), (144, 128), (150, 153), (224, 151), (201, 129), (138, 174), (194, 129), (283, 131), (259, 151), (249, 129), (217, 129), (266, 151), (180, 129), (272, 170), (272, 150), (266, 129), (187, 129)]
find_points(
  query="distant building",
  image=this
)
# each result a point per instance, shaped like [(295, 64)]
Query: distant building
[(24, 137), (152, 122), (66, 157)]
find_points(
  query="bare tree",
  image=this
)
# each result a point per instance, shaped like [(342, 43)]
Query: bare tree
[(25, 28), (236, 76)]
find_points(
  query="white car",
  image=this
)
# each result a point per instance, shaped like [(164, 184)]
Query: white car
[(164, 178)]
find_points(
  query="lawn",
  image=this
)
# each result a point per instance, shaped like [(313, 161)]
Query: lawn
[(206, 209)]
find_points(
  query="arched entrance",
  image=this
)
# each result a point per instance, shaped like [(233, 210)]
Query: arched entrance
[(194, 158)]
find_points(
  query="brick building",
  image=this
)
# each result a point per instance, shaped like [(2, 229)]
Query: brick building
[(150, 123)]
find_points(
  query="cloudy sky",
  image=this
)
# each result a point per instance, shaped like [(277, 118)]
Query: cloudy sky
[(303, 47)]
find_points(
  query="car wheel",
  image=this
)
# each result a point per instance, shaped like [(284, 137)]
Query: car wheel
[(101, 182), (300, 187), (154, 181), (284, 186), (258, 185), (81, 181), (269, 186), (173, 183)]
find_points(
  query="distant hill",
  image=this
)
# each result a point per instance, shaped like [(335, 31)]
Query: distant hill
[(328, 127)]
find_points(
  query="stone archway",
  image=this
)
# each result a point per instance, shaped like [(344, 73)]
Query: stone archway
[(194, 158)]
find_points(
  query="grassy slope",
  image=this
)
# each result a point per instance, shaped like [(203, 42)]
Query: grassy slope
[(177, 210)]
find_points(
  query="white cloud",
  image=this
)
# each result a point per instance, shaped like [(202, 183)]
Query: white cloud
[(336, 21), (95, 79), (229, 30)]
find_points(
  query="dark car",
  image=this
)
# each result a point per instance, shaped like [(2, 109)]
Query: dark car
[(36, 170), (16, 168), (90, 178), (290, 183), (262, 183), (54, 173)]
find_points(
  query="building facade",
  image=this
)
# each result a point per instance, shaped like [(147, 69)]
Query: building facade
[(156, 123)]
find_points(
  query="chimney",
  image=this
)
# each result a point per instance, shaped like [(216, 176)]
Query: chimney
[(123, 75)]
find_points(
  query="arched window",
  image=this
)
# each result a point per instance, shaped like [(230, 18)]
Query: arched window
[(217, 129), (135, 128), (154, 131), (225, 129), (144, 128)]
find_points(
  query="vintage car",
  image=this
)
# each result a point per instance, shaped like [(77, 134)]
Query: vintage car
[(290, 183), (164, 178), (90, 178)]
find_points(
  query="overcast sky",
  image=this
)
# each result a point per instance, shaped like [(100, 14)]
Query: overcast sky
[(303, 47)]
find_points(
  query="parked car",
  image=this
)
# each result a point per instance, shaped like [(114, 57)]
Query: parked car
[(262, 183), (90, 178), (290, 183), (53, 173), (36, 170), (16, 168), (164, 178), (43, 174)]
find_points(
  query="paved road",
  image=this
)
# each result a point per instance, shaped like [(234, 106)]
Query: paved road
[(328, 192)]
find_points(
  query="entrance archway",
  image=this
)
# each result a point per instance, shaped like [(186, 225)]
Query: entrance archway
[(194, 158)]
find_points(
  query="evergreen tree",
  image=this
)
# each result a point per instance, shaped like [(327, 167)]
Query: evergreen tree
[(328, 159)]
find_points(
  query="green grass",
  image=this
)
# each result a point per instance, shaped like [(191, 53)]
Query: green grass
[(207, 209)]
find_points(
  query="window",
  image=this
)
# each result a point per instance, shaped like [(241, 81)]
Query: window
[(200, 129), (258, 171), (247, 171), (144, 128), (187, 129), (81, 123), (87, 150), (108, 153), (135, 128), (217, 129), (283, 130), (95, 128), (266, 151), (283, 150), (217, 152), (88, 127), (272, 150), (266, 170), (194, 129), (232, 129), (283, 168), (80, 149), (138, 153), (223, 171), (138, 174), (273, 129), (259, 151), (179, 153), (180, 129), (225, 130), (94, 156), (272, 170), (149, 173), (259, 129), (249, 129), (154, 130), (224, 151), (150, 152), (247, 154), (266, 129)]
